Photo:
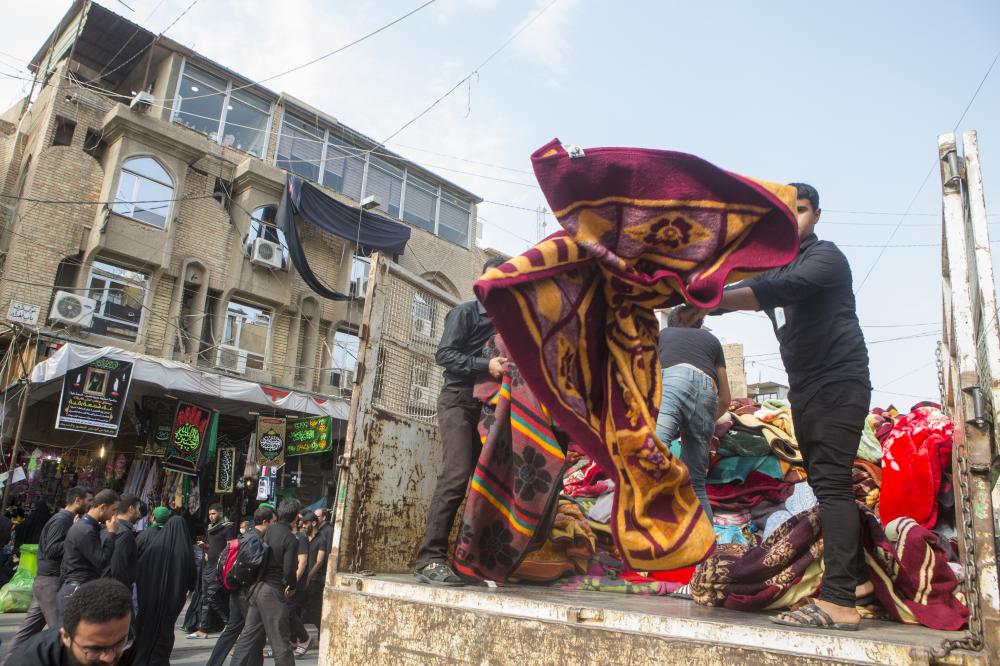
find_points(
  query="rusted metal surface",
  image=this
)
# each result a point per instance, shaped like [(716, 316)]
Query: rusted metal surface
[(387, 620), (968, 398)]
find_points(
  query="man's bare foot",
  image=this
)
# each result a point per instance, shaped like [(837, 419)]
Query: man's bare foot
[(864, 590), (840, 614)]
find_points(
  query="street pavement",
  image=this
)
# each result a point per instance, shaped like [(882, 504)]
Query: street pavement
[(185, 651)]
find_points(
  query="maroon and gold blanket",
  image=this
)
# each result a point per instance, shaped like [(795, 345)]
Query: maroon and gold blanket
[(642, 229)]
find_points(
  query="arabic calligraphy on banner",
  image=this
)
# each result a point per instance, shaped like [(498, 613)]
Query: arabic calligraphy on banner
[(270, 441), (158, 425), (187, 439), (308, 435), (225, 470), (93, 397)]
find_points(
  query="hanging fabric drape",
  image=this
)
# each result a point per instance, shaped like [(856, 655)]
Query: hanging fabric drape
[(369, 230)]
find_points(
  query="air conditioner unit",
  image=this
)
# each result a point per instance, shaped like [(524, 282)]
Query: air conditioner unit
[(422, 327), (359, 287), (266, 253), (231, 359), (73, 309), (342, 380), (142, 101), (420, 395)]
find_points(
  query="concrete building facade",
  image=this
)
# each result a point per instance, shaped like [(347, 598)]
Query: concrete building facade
[(144, 185)]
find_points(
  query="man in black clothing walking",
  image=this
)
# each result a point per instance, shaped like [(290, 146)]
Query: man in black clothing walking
[(124, 565), (467, 328), (268, 613), (85, 556), (214, 600), (44, 610), (811, 306), (263, 518)]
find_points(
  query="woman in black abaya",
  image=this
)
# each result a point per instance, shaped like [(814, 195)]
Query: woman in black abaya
[(166, 574)]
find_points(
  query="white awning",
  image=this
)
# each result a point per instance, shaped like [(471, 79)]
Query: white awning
[(228, 395)]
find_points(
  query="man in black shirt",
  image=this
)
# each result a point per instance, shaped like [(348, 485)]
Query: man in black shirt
[(319, 548), (263, 518), (467, 328), (695, 393), (268, 613), (214, 602), (85, 556), (811, 306), (124, 565), (44, 611), (96, 630)]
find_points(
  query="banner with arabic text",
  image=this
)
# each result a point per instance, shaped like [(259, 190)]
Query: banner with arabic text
[(271, 440), (225, 470), (308, 435), (93, 397), (188, 439)]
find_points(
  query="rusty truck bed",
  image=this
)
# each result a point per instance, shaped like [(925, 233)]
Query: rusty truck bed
[(394, 619)]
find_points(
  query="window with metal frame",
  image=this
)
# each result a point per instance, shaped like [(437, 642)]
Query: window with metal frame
[(145, 191), (453, 220), (208, 103), (344, 168), (300, 148), (344, 358), (248, 329), (262, 226), (120, 294), (420, 204), (385, 183)]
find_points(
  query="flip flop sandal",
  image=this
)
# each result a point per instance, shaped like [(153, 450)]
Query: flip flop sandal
[(299, 651), (812, 616), (683, 592)]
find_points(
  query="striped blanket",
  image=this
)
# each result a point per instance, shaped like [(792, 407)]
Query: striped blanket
[(515, 486), (642, 229)]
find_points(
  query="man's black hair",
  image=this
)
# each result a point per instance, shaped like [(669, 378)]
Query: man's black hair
[(327, 514), (493, 263), (75, 493), (308, 516), (674, 319), (262, 515), (289, 509), (805, 191), (216, 507), (106, 497), (127, 502), (97, 602), (143, 509)]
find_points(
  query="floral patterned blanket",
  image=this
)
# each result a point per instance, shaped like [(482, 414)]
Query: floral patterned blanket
[(642, 229)]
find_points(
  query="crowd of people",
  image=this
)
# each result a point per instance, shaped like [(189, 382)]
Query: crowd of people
[(105, 593)]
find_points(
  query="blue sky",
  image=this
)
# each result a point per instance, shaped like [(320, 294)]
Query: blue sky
[(848, 96)]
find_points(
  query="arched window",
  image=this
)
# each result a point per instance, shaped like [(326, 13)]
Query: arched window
[(262, 226), (145, 191)]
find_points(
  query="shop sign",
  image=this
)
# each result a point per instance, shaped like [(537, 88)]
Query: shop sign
[(187, 439), (93, 397), (270, 441), (308, 435), (158, 425), (23, 313), (225, 470)]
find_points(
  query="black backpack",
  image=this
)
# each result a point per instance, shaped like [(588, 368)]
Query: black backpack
[(242, 561)]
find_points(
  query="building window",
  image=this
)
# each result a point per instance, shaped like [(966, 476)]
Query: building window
[(145, 190), (453, 223), (300, 148), (262, 226), (420, 205), (248, 329), (120, 294), (423, 316), (385, 183), (235, 118), (344, 358), (343, 169), (360, 267)]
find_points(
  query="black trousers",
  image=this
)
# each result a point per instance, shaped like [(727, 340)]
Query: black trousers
[(267, 616), (213, 609), (828, 429), (458, 419), (238, 607)]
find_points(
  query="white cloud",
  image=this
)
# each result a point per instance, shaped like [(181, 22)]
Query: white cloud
[(549, 38)]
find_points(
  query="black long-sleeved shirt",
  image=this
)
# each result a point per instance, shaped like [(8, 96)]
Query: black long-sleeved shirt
[(50, 543), (44, 649), (85, 555), (811, 306), (467, 327), (283, 560), (218, 535), (124, 565)]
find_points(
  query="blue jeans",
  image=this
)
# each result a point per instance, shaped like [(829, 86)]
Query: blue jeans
[(687, 410)]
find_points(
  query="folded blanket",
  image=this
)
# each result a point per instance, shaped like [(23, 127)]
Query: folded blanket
[(914, 457), (782, 443), (757, 487), (739, 442), (642, 229)]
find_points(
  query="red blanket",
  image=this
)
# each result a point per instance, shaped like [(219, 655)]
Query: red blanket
[(914, 457), (642, 229)]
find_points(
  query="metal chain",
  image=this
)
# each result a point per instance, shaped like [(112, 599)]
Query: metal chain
[(973, 640)]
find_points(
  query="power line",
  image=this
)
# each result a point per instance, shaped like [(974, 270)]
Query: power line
[(926, 177)]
